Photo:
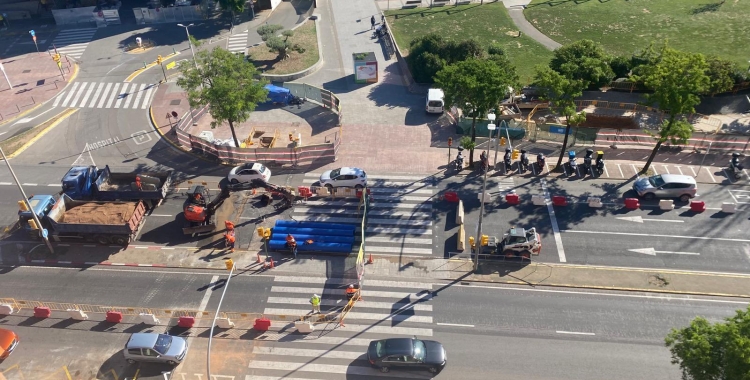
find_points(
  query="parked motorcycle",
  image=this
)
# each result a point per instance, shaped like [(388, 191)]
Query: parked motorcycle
[(507, 160), (572, 163), (735, 167), (524, 164), (587, 161), (541, 162), (458, 163), (599, 162)]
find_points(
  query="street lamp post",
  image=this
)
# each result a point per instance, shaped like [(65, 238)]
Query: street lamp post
[(42, 231), (490, 128), (190, 43), (491, 117)]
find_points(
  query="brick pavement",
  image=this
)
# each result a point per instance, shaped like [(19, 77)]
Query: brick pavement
[(35, 78)]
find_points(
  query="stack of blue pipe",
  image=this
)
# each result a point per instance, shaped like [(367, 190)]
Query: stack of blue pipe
[(314, 236)]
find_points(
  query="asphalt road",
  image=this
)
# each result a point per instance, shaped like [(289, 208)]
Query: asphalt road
[(538, 333)]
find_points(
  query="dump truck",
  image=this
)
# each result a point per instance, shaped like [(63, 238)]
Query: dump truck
[(66, 219), (92, 183)]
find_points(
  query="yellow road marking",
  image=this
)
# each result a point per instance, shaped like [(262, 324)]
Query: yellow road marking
[(60, 118), (150, 65)]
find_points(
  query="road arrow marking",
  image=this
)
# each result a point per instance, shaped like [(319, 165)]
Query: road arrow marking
[(653, 252), (638, 219)]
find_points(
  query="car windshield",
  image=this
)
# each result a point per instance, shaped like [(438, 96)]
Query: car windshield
[(261, 168), (656, 181), (419, 350), (380, 348), (335, 173), (162, 343)]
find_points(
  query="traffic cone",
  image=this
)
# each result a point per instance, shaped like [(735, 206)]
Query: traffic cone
[(258, 261), (370, 260), (271, 265)]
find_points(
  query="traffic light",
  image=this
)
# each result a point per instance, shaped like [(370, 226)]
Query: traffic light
[(33, 225), (267, 233), (230, 264), (159, 59), (56, 57), (515, 154), (485, 240), (22, 206), (502, 141)]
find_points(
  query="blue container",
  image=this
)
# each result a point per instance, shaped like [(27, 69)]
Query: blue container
[(323, 225), (301, 238), (311, 231)]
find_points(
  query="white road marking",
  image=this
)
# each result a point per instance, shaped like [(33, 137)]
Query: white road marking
[(657, 235), (342, 281), (342, 303), (147, 99), (337, 292), (307, 353), (78, 94), (639, 219), (96, 95), (727, 175), (666, 169), (635, 171), (653, 252), (204, 300), (553, 221), (396, 316), (693, 170), (622, 175), (574, 332), (122, 94), (605, 171), (113, 95), (88, 94), (711, 175), (654, 169), (70, 94), (454, 324), (29, 184), (133, 94), (348, 370), (103, 98), (679, 170)]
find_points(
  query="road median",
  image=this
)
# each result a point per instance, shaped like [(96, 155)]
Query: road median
[(20, 142)]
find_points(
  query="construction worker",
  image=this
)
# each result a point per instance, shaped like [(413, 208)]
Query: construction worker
[(315, 302), (350, 292), (229, 240), (291, 243), (229, 225)]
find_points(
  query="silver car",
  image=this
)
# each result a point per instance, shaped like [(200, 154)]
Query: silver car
[(666, 186), (344, 177), (152, 347)]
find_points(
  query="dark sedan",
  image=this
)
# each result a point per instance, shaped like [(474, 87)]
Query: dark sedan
[(407, 354)]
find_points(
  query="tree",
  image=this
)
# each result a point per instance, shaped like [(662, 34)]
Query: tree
[(583, 60), (561, 92), (225, 84), (476, 86), (719, 351), (279, 45), (721, 73), (676, 78), (233, 6)]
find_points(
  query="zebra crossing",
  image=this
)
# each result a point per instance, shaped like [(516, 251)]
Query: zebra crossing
[(106, 95), (399, 221), (388, 309), (72, 42), (237, 43)]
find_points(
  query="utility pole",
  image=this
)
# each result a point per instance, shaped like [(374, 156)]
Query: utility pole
[(490, 128), (42, 231), (190, 43)]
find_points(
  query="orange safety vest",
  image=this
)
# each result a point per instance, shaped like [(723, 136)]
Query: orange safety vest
[(229, 237), (290, 240), (229, 225), (351, 290)]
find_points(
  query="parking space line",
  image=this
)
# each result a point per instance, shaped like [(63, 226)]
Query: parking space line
[(711, 175), (622, 175), (666, 169), (553, 222), (693, 170), (635, 171), (679, 170), (727, 175), (605, 171), (654, 169)]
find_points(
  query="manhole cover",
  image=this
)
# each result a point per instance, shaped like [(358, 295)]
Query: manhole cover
[(175, 102), (26, 71)]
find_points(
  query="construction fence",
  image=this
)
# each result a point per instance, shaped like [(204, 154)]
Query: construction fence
[(698, 141)]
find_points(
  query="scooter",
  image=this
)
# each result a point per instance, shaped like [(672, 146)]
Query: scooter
[(524, 165), (458, 163), (735, 167), (587, 160), (507, 161), (600, 162), (540, 162), (572, 163), (485, 162)]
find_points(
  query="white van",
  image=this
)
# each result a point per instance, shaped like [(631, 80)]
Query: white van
[(435, 101)]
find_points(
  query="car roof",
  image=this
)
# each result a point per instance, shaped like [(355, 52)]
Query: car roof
[(348, 171), (399, 346), (140, 340), (678, 178), (252, 165), (435, 93), (517, 232)]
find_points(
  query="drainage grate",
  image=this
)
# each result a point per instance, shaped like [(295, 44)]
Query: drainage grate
[(175, 102), (26, 71)]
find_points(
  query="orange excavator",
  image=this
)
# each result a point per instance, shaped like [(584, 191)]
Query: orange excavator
[(199, 209)]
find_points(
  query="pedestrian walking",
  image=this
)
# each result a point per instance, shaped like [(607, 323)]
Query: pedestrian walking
[(315, 302), (372, 22)]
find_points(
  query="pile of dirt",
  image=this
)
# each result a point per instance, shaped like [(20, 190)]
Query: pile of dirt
[(96, 213)]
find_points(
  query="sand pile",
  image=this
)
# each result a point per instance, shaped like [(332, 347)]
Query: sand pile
[(93, 213)]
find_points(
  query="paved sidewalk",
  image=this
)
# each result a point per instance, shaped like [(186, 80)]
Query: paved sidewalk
[(35, 78)]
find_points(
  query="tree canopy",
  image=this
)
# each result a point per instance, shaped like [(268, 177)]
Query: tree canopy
[(676, 79), (223, 81), (584, 60), (713, 351), (431, 53), (476, 86), (234, 6), (561, 91), (279, 45)]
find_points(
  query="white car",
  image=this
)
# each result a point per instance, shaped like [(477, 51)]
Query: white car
[(249, 172), (344, 177)]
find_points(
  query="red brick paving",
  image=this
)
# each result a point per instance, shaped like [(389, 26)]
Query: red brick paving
[(40, 83)]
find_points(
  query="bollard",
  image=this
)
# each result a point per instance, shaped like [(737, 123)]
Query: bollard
[(224, 323), (594, 202), (697, 206), (666, 205), (512, 199), (726, 207), (262, 324), (559, 200), (78, 315), (148, 319), (632, 203), (114, 316), (42, 312), (271, 264), (460, 212), (538, 200), (186, 322), (304, 327)]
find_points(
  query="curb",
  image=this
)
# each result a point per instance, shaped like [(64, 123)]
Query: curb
[(150, 65), (172, 143), (60, 118)]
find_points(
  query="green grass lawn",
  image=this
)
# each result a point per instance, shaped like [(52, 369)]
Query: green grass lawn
[(486, 23), (622, 27)]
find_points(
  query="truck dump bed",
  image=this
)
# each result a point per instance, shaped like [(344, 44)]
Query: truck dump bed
[(114, 186), (114, 218)]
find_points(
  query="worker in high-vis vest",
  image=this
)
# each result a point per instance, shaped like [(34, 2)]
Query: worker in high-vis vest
[(315, 302), (229, 240)]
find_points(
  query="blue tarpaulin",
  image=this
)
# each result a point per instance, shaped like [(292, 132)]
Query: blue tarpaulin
[(278, 94)]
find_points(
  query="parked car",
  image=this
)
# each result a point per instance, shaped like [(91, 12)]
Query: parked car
[(8, 343), (406, 354), (249, 172), (152, 347), (344, 177), (679, 186)]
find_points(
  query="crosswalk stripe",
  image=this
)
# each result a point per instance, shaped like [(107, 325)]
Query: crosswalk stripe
[(308, 353), (72, 42), (337, 292), (325, 368), (358, 315), (147, 100), (114, 95), (122, 94), (385, 177), (330, 340), (96, 95), (333, 211), (375, 204), (88, 94), (78, 94), (397, 240), (413, 251), (342, 303), (343, 281), (395, 230), (140, 95), (132, 95), (401, 191), (104, 95), (381, 183), (70, 94), (395, 222), (58, 98)]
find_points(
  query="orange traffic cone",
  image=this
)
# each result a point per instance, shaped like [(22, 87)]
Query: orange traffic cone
[(258, 261), (271, 265), (370, 260)]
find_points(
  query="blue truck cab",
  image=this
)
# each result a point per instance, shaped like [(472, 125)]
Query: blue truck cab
[(41, 206), (78, 182)]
